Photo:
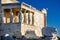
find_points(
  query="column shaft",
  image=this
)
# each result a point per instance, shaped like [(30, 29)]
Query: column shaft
[(3, 18), (11, 16), (32, 18), (19, 16), (25, 16), (28, 18)]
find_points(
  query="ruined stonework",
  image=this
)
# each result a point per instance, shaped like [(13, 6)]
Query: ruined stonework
[(10, 14), (21, 17), (32, 19)]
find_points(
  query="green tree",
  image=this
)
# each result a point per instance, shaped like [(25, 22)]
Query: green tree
[(58, 37)]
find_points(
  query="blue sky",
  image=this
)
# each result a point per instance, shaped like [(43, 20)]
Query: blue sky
[(53, 13)]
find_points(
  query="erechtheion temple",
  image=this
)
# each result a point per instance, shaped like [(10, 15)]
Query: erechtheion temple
[(19, 18)]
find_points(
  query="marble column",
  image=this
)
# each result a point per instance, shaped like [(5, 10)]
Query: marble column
[(11, 16), (3, 18), (0, 18), (29, 18), (25, 16), (19, 16), (32, 18)]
